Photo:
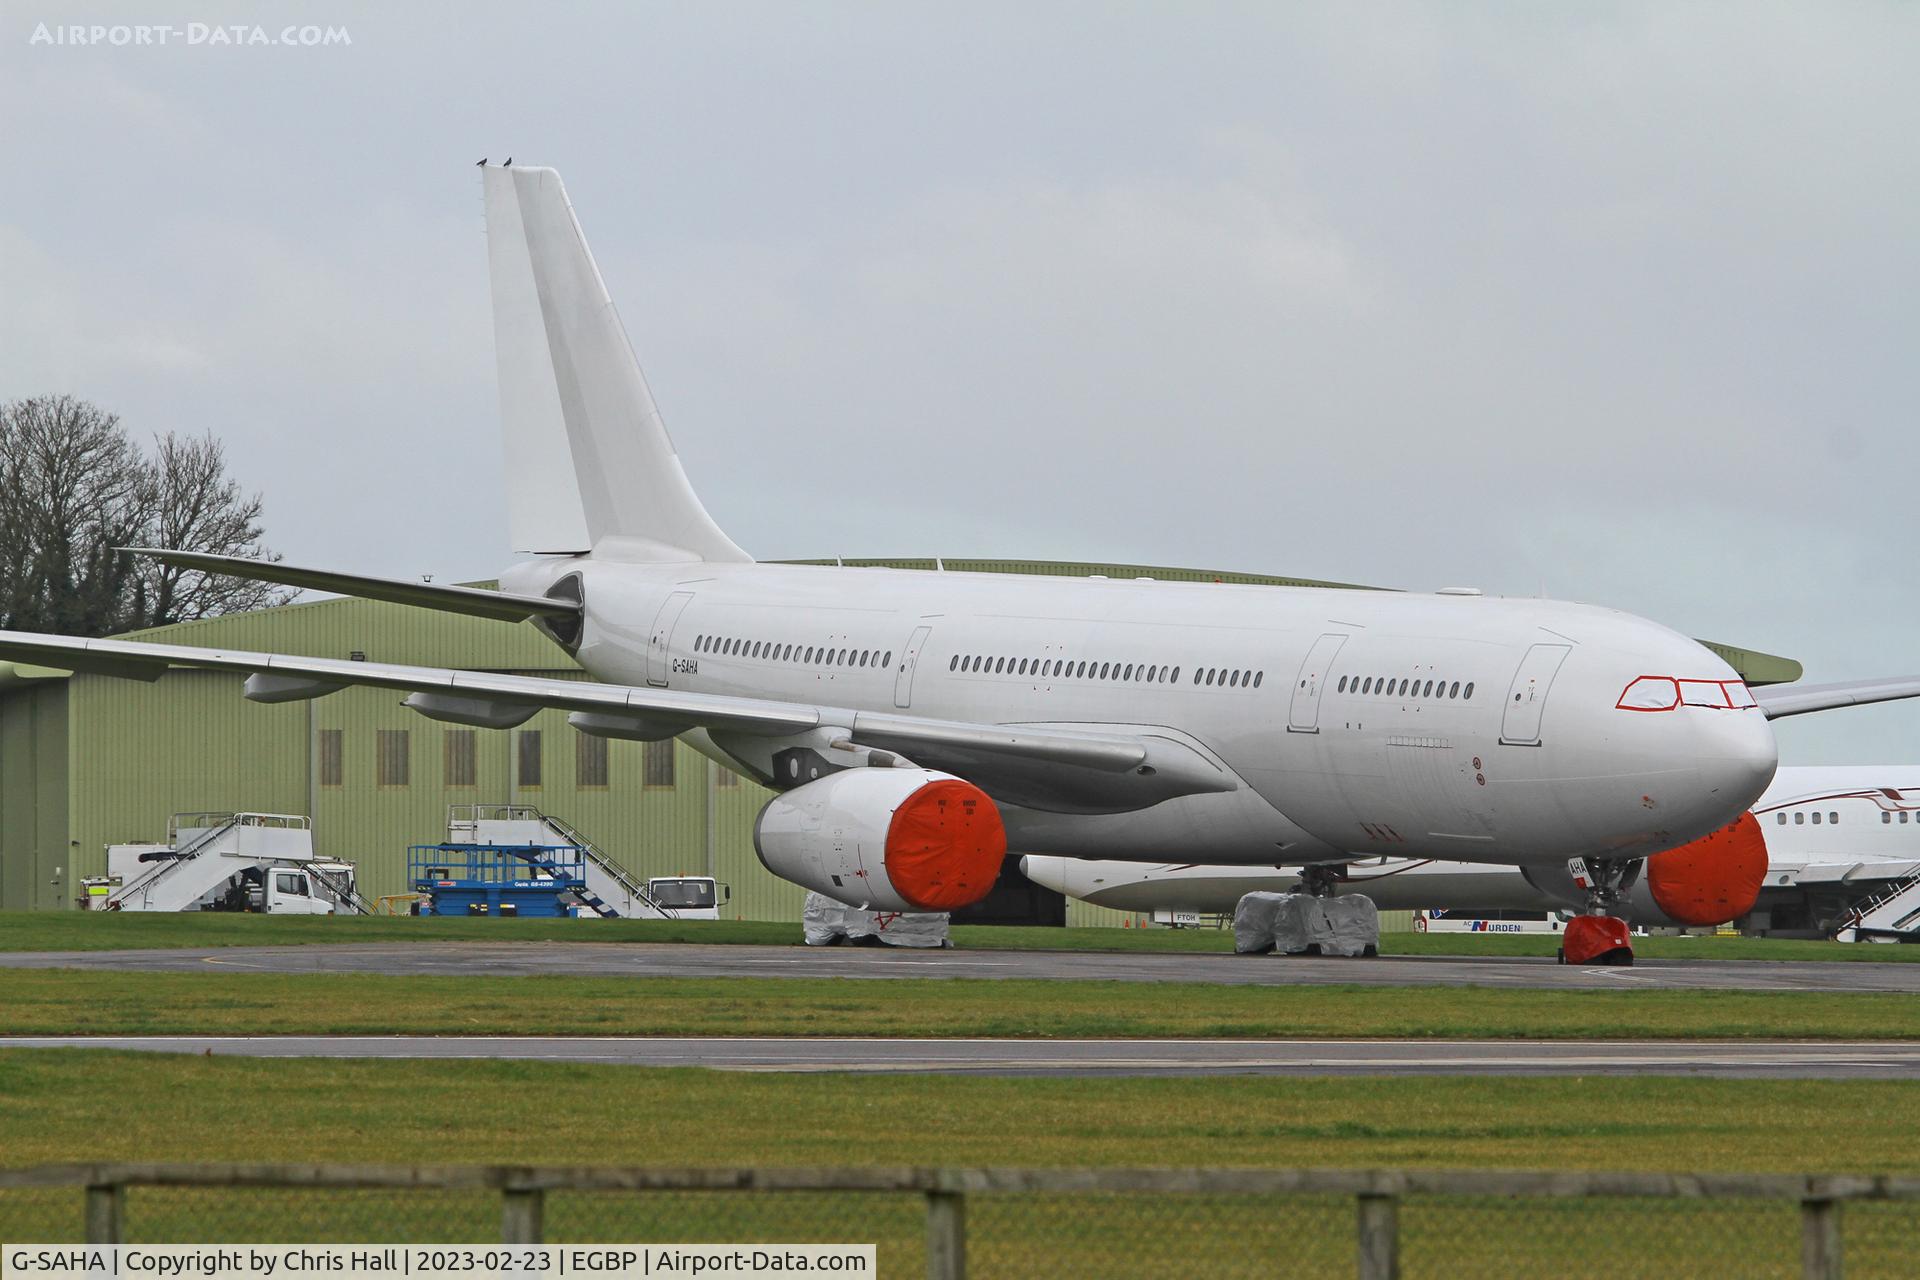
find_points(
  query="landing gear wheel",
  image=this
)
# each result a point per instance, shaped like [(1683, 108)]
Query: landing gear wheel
[(1597, 940)]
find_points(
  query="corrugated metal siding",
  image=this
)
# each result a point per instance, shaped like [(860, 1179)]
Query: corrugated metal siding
[(36, 869)]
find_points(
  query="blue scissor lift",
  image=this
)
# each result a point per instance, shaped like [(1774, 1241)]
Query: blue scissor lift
[(499, 880)]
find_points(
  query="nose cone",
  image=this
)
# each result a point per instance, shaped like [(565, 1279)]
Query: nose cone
[(1736, 755)]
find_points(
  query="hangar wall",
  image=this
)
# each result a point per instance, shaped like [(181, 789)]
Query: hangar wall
[(88, 760)]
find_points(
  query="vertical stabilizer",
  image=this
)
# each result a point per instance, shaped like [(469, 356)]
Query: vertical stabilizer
[(588, 458)]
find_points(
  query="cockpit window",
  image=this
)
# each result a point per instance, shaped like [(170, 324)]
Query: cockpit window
[(1666, 693)]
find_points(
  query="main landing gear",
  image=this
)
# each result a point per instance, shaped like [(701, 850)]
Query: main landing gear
[(1599, 936)]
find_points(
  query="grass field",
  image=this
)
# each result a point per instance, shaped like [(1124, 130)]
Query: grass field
[(84, 1002), (89, 931), (57, 1106), (68, 1104)]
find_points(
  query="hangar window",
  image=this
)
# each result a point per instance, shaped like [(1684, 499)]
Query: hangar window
[(725, 778), (459, 757), (333, 772), (656, 764), (589, 760), (390, 757), (527, 752)]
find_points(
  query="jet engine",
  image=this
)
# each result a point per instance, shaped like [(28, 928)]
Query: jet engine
[(1708, 881), (883, 839)]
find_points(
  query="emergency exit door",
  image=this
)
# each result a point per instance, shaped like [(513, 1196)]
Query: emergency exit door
[(1527, 699), (658, 639), (1305, 716), (909, 659)]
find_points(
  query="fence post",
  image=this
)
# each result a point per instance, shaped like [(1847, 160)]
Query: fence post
[(106, 1213), (1820, 1239), (522, 1215), (946, 1235), (1379, 1237)]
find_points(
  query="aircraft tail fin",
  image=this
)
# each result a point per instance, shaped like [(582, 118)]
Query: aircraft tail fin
[(589, 461)]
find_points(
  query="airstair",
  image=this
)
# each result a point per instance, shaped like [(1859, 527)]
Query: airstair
[(612, 891), (204, 851), (1891, 915)]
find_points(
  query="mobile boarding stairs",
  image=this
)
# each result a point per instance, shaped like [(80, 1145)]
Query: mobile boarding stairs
[(204, 853)]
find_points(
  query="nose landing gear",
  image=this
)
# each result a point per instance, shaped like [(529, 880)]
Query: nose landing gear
[(1599, 936)]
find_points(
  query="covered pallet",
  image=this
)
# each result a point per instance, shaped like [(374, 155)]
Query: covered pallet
[(1300, 924), (827, 923)]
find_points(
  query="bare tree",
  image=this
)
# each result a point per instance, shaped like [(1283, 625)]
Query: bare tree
[(74, 488), (194, 506)]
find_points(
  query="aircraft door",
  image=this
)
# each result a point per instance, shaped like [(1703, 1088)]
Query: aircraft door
[(659, 640), (1305, 716), (909, 659), (1527, 699)]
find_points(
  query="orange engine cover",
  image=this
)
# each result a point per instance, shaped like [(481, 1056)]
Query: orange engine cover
[(945, 845), (1713, 880)]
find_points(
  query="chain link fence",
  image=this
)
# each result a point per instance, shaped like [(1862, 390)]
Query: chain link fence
[(948, 1223)]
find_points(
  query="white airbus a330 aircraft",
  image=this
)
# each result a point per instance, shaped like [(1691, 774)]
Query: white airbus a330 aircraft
[(917, 724)]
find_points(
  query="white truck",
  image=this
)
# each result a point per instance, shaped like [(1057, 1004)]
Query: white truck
[(261, 862)]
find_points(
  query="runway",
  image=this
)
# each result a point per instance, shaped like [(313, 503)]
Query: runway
[(1800, 1060), (690, 960)]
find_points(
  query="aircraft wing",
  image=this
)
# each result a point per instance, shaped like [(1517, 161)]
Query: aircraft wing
[(1798, 699), (1084, 769)]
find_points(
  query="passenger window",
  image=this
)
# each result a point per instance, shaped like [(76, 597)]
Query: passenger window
[(1832, 818), (1128, 674), (1403, 688), (1468, 693), (1258, 676), (1429, 692), (1885, 817), (1342, 687), (1799, 819), (1368, 686), (1903, 815), (1022, 668), (1781, 818), (887, 661), (1175, 675), (955, 664), (1816, 818), (1455, 692)]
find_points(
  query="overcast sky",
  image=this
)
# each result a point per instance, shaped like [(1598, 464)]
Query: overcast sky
[(1615, 303)]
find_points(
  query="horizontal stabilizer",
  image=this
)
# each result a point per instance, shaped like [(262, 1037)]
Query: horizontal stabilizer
[(474, 601)]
